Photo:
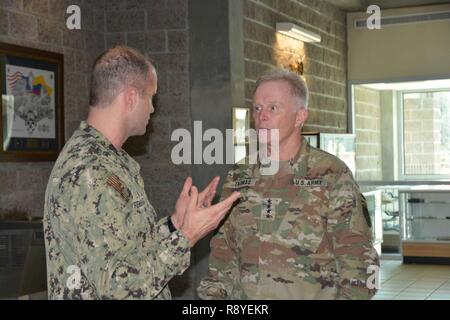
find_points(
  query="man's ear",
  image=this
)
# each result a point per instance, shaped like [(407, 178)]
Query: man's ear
[(130, 98), (300, 117)]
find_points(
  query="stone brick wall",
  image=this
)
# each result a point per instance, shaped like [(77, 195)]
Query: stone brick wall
[(158, 28), (422, 134), (368, 134), (324, 63), (41, 24)]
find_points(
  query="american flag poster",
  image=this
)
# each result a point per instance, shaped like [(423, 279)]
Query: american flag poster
[(30, 101)]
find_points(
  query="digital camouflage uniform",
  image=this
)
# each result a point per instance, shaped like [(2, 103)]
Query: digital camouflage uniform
[(99, 221), (303, 233)]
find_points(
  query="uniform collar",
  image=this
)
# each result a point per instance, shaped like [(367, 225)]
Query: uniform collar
[(300, 161), (126, 159), (298, 164)]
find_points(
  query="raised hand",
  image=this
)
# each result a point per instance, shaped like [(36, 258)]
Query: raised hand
[(207, 195), (199, 222), (182, 204)]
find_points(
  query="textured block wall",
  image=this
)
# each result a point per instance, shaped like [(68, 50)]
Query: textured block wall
[(324, 62), (368, 134), (41, 24)]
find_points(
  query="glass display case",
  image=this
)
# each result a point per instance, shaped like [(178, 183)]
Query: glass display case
[(391, 220), (373, 199), (425, 225)]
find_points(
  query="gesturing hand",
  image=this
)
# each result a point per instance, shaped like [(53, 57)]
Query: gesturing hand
[(204, 199), (182, 203), (207, 195), (199, 222)]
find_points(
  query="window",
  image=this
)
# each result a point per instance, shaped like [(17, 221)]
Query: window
[(402, 130), (425, 134)]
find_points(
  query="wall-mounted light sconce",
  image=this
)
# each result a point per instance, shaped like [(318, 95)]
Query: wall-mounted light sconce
[(294, 31), (297, 66)]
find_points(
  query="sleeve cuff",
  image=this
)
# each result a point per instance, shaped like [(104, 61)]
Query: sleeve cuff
[(175, 252), (170, 225), (162, 229)]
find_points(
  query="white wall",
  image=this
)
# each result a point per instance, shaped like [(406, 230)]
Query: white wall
[(411, 51)]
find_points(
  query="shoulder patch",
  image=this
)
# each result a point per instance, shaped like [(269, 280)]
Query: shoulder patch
[(322, 163), (114, 182), (366, 211)]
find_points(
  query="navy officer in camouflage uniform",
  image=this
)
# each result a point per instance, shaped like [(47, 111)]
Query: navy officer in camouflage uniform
[(301, 233), (101, 234)]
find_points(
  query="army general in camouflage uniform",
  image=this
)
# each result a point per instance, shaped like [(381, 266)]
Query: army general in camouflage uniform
[(301, 233), (101, 234)]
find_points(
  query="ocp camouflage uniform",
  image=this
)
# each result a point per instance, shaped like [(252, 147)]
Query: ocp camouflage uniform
[(303, 233), (98, 220)]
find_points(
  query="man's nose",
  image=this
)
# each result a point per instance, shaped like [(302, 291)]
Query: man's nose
[(263, 115)]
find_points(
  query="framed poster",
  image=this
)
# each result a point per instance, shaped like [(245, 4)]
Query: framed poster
[(32, 124)]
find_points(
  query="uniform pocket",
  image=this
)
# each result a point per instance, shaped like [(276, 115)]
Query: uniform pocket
[(303, 225), (302, 232)]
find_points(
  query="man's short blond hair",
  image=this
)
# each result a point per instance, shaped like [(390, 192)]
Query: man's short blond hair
[(116, 69), (298, 86)]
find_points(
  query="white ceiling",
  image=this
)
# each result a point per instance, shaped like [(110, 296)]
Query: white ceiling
[(361, 5)]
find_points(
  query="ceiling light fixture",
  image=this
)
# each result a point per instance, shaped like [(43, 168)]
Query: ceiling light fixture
[(294, 31)]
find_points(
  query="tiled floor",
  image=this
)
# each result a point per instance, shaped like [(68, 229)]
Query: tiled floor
[(413, 282)]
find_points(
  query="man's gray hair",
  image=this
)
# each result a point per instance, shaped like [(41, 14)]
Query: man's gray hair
[(116, 69), (299, 89)]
